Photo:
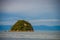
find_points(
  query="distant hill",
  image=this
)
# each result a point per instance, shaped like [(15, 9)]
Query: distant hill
[(22, 26)]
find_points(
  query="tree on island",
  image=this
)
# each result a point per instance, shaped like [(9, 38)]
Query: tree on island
[(22, 26)]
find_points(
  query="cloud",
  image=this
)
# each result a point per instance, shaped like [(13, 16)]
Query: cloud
[(44, 10), (7, 22), (29, 6), (49, 22), (31, 9)]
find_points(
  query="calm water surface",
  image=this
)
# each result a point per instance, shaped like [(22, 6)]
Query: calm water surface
[(30, 35), (25, 39)]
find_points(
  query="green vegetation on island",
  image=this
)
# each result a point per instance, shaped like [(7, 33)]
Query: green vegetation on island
[(22, 26)]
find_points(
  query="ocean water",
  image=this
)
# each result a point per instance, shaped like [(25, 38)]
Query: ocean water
[(30, 35), (41, 27), (25, 39), (41, 33)]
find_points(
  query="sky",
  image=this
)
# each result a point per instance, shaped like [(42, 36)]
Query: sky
[(37, 12)]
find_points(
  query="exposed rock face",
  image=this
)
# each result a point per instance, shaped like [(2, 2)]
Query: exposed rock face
[(22, 26)]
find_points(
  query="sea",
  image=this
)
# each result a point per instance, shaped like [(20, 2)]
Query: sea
[(45, 35), (25, 39), (36, 28), (40, 33)]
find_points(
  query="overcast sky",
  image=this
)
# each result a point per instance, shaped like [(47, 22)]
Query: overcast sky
[(32, 10)]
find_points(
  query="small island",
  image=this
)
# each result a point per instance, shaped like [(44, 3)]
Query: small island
[(22, 26)]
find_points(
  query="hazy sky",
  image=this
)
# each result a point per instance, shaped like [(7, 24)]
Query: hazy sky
[(39, 12)]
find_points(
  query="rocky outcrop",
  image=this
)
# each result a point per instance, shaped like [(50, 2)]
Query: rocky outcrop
[(22, 26)]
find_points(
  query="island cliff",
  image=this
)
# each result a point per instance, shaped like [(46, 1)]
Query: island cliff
[(22, 26)]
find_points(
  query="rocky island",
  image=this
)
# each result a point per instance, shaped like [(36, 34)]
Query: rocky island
[(22, 26)]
